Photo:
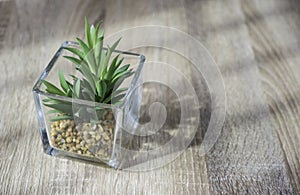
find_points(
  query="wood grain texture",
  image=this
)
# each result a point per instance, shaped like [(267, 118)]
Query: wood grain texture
[(248, 127), (276, 52), (256, 46), (5, 8)]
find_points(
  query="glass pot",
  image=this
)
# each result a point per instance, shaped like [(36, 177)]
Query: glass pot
[(81, 138)]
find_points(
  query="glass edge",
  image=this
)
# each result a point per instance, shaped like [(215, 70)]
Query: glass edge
[(135, 79)]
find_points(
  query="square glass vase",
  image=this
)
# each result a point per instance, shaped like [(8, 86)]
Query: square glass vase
[(95, 130)]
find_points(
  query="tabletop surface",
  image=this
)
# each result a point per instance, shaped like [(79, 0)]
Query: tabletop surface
[(255, 45)]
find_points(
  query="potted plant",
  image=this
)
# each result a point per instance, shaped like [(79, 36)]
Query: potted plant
[(81, 95)]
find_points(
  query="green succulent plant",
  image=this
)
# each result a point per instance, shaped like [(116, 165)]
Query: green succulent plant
[(101, 76)]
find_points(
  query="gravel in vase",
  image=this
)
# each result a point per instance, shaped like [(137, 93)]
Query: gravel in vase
[(88, 139)]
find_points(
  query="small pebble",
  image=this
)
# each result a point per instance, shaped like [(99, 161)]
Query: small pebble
[(69, 139)]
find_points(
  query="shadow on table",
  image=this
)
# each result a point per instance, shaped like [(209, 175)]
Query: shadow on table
[(176, 134)]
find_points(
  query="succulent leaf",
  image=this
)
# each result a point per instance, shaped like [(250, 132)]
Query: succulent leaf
[(87, 32), (76, 52), (50, 88), (63, 83)]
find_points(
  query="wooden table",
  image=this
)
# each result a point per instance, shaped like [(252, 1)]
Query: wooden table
[(256, 46)]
